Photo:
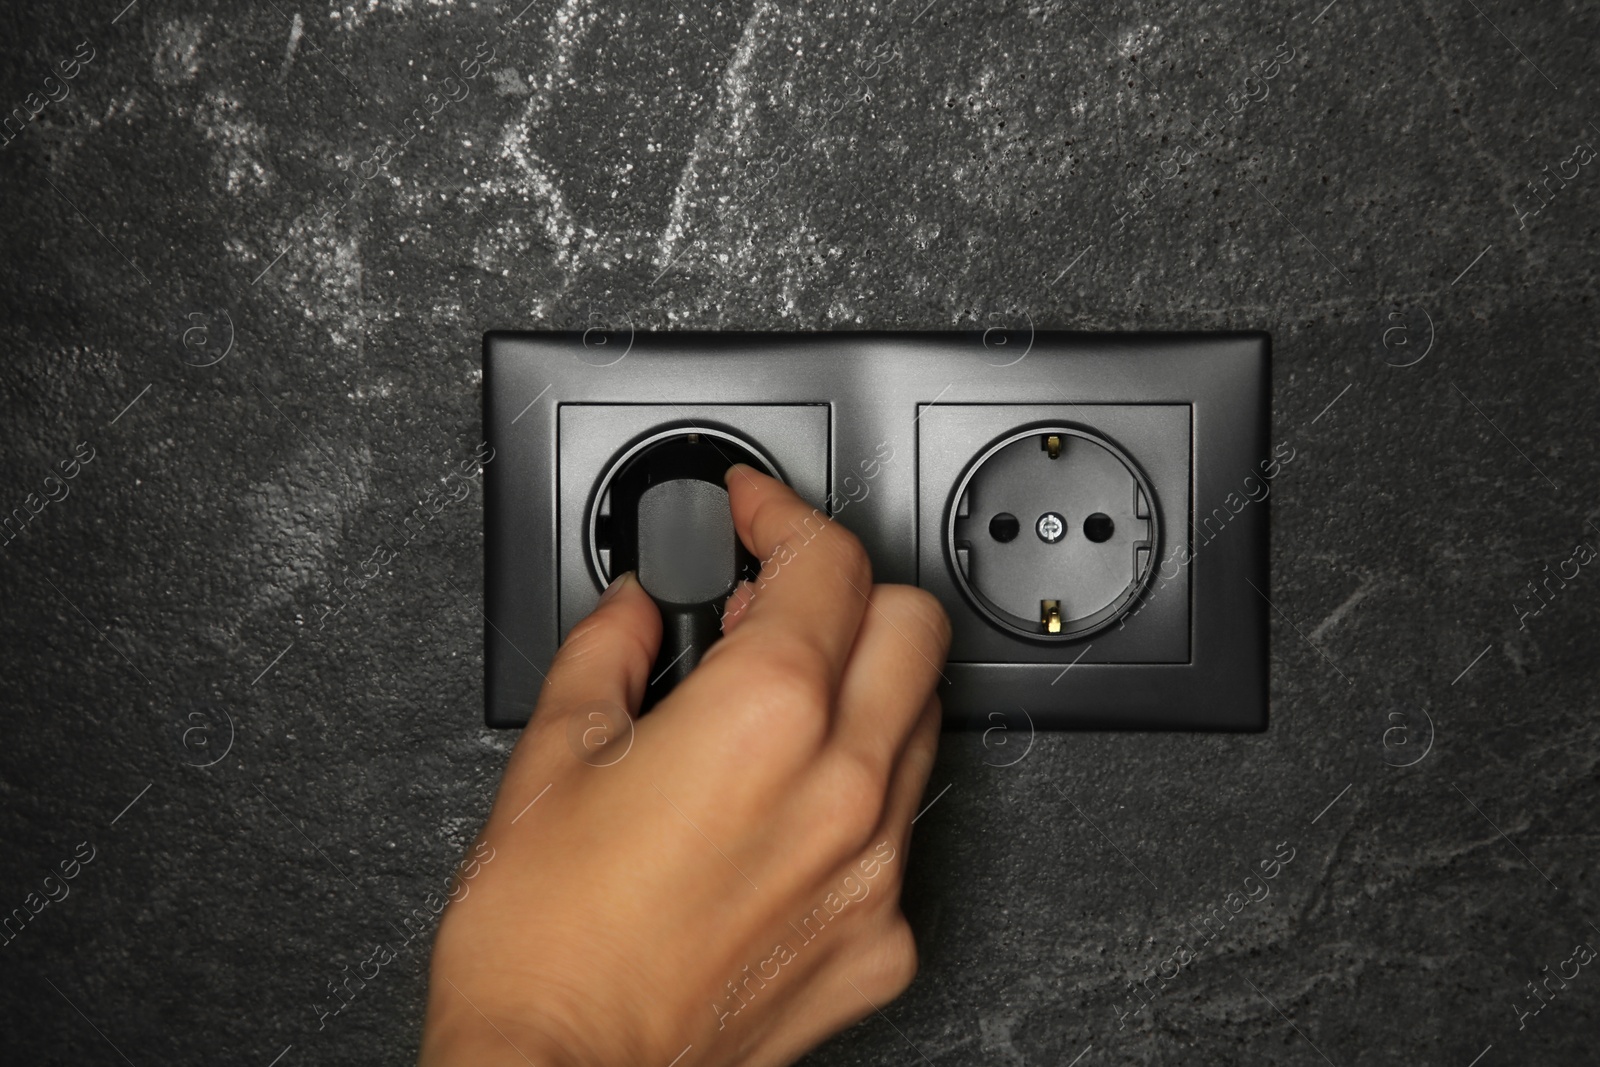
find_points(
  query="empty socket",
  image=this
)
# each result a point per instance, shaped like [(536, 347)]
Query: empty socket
[(1053, 533)]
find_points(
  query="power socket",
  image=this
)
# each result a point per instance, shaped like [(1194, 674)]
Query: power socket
[(591, 438), (1151, 441), (1048, 500)]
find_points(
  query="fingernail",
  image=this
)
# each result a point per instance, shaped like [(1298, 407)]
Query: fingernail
[(742, 468), (616, 583)]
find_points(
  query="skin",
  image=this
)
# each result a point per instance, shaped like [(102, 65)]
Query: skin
[(622, 902)]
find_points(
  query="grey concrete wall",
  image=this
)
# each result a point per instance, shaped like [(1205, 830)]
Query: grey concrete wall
[(1354, 178)]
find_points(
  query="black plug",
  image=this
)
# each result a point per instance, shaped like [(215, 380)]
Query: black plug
[(665, 514)]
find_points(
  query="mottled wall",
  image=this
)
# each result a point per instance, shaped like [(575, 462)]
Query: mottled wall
[(251, 284)]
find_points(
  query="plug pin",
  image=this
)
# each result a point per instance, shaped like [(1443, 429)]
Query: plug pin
[(1050, 616), (1052, 445)]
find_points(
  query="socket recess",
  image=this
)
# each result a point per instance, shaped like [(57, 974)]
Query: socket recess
[(1052, 575), (594, 439), (1141, 449), (1048, 499)]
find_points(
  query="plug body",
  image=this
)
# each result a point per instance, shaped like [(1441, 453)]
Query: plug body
[(662, 511)]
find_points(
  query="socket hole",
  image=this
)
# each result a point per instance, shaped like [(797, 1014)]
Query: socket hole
[(1004, 527), (1099, 527)]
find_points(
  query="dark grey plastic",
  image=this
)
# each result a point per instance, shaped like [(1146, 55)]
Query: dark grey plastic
[(662, 510), (1090, 540), (1158, 437), (790, 440), (686, 541), (879, 429)]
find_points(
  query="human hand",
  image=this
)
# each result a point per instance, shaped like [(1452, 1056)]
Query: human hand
[(728, 891)]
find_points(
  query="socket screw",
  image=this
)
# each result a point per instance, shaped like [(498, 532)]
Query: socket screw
[(1051, 527)]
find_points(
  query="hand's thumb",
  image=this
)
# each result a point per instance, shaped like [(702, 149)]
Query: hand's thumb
[(607, 656)]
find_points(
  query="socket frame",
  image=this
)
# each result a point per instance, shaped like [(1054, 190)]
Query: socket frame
[(876, 389)]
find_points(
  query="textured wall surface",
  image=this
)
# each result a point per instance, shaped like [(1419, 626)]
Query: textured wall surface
[(251, 249)]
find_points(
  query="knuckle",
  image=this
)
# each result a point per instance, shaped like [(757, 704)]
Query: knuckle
[(931, 609), (921, 609), (891, 963), (583, 641), (586, 631), (797, 674), (854, 793), (852, 557), (790, 692), (592, 637)]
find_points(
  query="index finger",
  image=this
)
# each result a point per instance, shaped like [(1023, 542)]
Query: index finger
[(811, 591)]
